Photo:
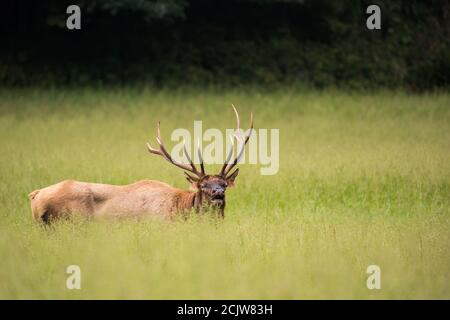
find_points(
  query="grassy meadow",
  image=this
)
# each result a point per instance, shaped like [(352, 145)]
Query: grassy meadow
[(364, 179)]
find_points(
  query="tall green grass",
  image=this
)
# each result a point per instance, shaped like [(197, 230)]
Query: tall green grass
[(364, 179)]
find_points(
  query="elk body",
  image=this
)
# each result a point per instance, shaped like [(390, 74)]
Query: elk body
[(142, 198)]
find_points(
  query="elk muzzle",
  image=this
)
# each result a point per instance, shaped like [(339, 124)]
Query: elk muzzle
[(217, 195)]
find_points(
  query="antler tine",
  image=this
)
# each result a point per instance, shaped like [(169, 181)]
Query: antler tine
[(238, 121), (230, 166), (160, 142), (190, 177), (200, 158), (186, 153), (163, 152), (230, 153), (152, 150)]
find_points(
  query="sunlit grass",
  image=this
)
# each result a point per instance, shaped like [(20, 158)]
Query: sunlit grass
[(364, 179)]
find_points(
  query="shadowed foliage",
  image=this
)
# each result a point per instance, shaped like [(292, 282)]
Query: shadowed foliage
[(227, 43)]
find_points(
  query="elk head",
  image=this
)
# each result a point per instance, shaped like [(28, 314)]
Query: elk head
[(210, 189)]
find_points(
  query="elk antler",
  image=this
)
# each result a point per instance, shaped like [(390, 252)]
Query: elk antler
[(227, 166), (163, 152)]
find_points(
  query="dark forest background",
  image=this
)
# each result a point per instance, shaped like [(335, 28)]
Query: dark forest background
[(314, 43)]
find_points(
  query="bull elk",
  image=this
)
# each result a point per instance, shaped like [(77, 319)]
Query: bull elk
[(146, 197)]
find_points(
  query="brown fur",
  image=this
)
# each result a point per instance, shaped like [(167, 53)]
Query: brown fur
[(143, 198)]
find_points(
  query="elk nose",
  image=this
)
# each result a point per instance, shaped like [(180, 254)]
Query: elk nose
[(217, 191)]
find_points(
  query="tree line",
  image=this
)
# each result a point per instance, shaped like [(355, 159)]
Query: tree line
[(316, 43)]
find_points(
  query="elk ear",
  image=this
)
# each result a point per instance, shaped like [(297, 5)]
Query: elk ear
[(231, 177)]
